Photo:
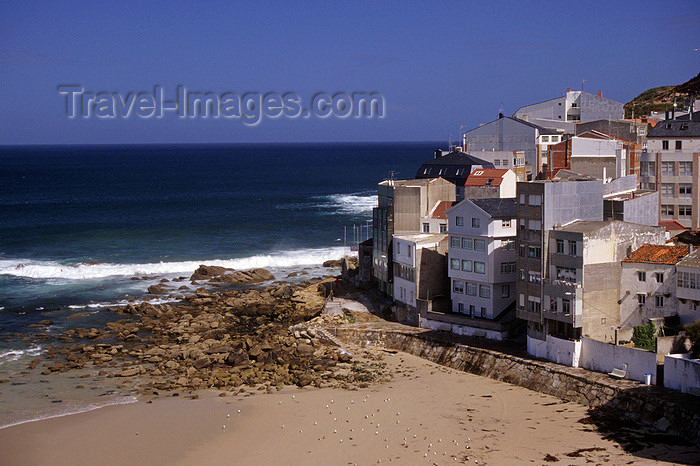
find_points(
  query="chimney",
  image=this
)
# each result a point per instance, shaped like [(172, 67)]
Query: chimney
[(600, 94), (500, 115), (438, 153), (568, 90)]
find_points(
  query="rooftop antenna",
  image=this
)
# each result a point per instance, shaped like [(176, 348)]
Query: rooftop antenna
[(390, 175), (450, 144), (461, 135), (582, 81)]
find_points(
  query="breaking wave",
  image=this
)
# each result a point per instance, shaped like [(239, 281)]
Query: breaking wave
[(356, 204), (90, 271)]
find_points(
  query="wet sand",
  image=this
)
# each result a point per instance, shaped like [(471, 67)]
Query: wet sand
[(427, 414)]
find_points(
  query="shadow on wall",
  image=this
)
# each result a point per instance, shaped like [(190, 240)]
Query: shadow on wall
[(651, 430)]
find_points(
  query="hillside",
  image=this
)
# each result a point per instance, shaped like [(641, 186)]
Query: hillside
[(661, 98)]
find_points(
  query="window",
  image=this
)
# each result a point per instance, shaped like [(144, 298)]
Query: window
[(455, 242), (664, 145), (566, 274), (572, 248), (679, 145), (508, 244), (668, 168), (497, 162), (666, 210), (483, 312), (472, 310), (535, 200), (508, 267), (505, 223), (458, 286), (479, 267), (641, 276), (409, 250), (505, 162), (467, 243), (454, 264), (659, 301), (667, 189), (475, 222), (648, 168), (505, 291), (686, 168), (534, 304), (523, 250), (460, 308), (553, 305), (426, 228), (522, 274), (521, 222), (466, 265), (689, 280), (534, 251), (398, 248), (522, 199), (560, 246), (659, 277), (535, 277), (545, 138), (480, 245), (566, 306), (484, 291), (685, 189), (685, 211), (459, 221), (443, 228), (534, 225), (471, 289)]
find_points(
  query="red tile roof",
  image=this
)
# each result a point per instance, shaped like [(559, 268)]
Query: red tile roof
[(655, 254), (672, 225), (439, 209), (481, 177)]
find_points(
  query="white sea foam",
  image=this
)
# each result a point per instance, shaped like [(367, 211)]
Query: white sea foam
[(72, 408), (357, 204), (15, 354), (49, 269), (124, 302)]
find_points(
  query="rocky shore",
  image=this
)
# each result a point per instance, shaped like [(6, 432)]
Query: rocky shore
[(264, 338)]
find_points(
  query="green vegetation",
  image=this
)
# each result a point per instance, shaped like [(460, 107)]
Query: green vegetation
[(661, 98), (693, 332), (644, 337)]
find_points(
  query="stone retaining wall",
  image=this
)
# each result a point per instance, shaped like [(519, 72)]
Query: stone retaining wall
[(667, 410)]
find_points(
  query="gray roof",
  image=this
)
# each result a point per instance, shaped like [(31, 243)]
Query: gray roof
[(677, 128), (691, 260), (541, 129), (585, 226), (497, 207)]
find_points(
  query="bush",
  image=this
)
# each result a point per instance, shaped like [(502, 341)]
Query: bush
[(692, 331), (644, 337)]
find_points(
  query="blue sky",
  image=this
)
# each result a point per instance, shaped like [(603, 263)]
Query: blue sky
[(438, 65)]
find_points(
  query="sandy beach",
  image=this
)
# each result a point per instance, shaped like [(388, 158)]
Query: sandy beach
[(426, 414)]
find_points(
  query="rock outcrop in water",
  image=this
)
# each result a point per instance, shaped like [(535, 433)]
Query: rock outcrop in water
[(221, 339)]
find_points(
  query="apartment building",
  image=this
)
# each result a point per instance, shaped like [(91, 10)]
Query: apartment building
[(581, 289), (671, 166), (648, 283), (562, 113), (400, 207), (688, 287), (490, 182)]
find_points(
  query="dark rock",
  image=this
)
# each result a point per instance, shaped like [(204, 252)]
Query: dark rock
[(207, 272)]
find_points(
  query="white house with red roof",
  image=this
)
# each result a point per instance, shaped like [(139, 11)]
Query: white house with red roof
[(648, 283), (490, 182)]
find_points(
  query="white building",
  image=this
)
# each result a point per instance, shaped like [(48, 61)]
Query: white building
[(688, 287), (648, 284), (671, 166), (419, 271), (562, 113), (482, 256)]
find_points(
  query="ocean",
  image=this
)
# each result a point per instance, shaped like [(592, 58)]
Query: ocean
[(84, 228)]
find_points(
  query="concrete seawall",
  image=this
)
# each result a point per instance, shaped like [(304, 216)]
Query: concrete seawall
[(668, 410)]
